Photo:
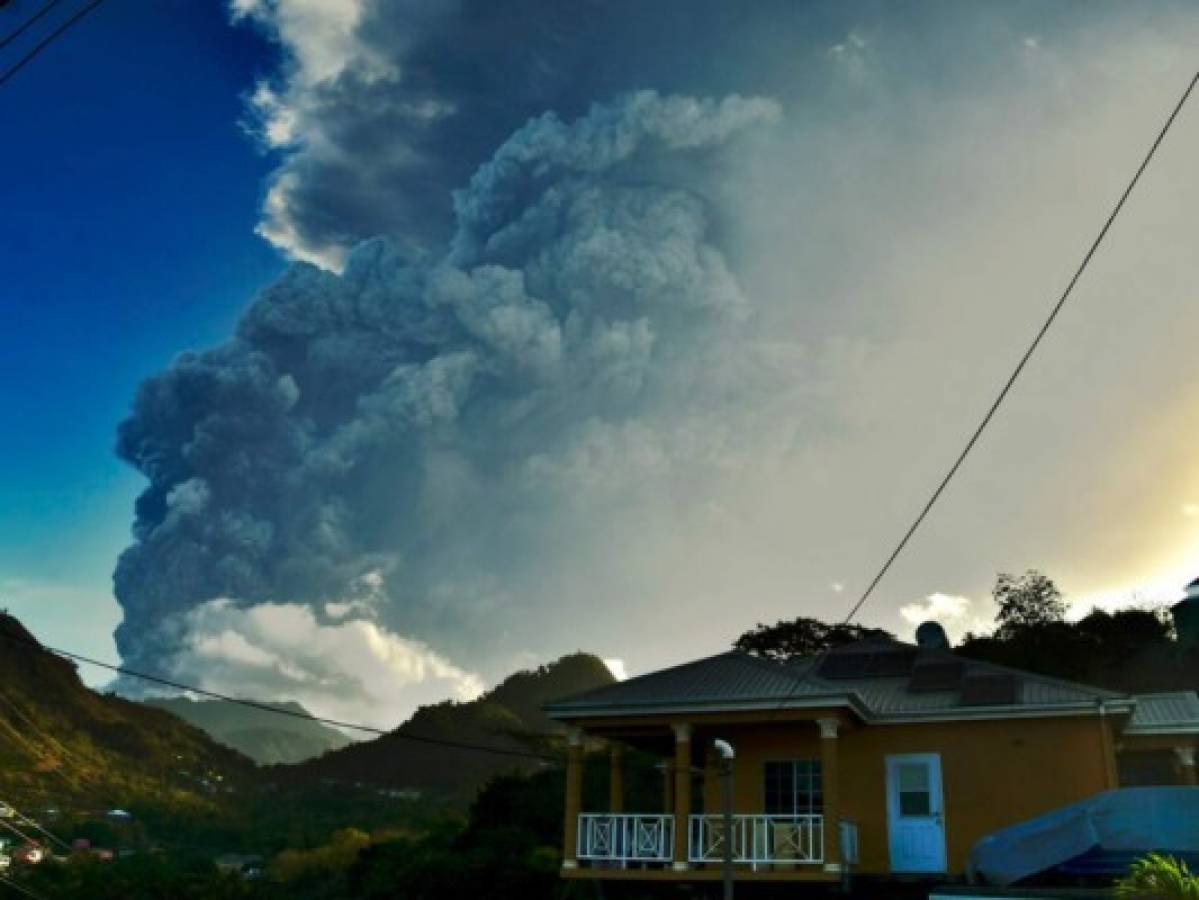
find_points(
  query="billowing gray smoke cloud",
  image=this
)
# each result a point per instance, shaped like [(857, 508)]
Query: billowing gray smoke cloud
[(400, 99), (422, 419), (629, 371)]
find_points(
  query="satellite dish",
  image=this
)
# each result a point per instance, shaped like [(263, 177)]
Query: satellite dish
[(931, 636)]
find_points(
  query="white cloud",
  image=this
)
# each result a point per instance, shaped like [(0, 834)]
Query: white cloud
[(852, 56), (955, 613), (69, 616), (617, 668), (352, 669), (319, 34)]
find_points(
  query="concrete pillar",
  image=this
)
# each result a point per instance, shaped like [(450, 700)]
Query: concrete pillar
[(830, 772), (682, 794), (615, 778), (1186, 765), (574, 799), (1107, 747)]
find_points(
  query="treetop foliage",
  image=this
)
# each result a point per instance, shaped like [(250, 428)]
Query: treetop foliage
[(802, 637), (1130, 649), (1026, 601)]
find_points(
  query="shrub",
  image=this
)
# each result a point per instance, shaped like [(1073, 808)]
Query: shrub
[(1157, 877)]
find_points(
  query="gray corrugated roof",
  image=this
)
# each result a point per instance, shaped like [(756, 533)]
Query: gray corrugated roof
[(736, 679), (732, 676), (1171, 712)]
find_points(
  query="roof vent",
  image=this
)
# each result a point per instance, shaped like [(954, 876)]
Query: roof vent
[(931, 636)]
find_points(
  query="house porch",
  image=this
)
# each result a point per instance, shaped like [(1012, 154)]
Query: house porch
[(684, 838)]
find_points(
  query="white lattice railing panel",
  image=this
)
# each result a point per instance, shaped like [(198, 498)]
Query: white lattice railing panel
[(758, 839), (625, 837)]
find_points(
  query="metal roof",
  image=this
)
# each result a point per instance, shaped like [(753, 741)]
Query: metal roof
[(736, 680), (1174, 712), (728, 677)]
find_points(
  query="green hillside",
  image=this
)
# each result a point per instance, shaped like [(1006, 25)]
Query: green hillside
[(67, 747), (266, 738), (64, 745)]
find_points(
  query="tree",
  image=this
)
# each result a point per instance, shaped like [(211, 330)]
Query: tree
[(1026, 601), (801, 637)]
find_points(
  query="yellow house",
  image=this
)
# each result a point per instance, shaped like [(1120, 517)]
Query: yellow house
[(883, 757)]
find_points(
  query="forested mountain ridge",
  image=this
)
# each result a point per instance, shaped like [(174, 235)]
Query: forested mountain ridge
[(265, 737), (508, 719)]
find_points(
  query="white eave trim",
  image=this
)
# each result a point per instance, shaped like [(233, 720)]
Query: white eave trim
[(1150, 730), (954, 714), (719, 706), (974, 713)]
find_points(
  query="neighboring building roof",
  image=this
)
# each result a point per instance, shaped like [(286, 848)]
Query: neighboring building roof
[(1173, 712), (876, 679)]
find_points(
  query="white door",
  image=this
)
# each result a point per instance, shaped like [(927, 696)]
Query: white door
[(915, 813)]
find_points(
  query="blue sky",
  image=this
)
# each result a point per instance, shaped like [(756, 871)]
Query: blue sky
[(129, 200)]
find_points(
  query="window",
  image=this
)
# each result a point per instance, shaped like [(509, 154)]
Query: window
[(915, 797), (793, 787), (1148, 767)]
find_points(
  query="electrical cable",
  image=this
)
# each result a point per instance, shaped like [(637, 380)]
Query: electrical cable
[(815, 662), (1044, 329), (27, 24), (46, 42), (266, 707), (28, 821)]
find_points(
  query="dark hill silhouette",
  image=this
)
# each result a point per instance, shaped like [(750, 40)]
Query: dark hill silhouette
[(509, 717), (266, 738)]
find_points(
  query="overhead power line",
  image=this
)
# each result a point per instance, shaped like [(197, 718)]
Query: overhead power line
[(20, 889), (33, 824), (267, 707), (1032, 348), (45, 42), (819, 657), (17, 831), (27, 24)]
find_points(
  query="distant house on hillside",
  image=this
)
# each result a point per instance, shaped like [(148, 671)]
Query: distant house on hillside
[(889, 757), (29, 854)]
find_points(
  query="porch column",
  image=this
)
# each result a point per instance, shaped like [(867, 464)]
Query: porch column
[(615, 778), (1186, 765), (574, 798), (829, 766), (1107, 747), (682, 794)]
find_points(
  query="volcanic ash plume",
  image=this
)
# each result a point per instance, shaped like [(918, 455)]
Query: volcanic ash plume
[(414, 443)]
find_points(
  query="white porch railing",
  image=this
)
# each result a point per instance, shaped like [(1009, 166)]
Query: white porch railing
[(759, 839), (626, 837)]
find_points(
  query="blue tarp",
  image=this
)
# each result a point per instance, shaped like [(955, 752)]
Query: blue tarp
[(1129, 820)]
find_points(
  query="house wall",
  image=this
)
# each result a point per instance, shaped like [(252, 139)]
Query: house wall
[(1159, 757), (994, 773)]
